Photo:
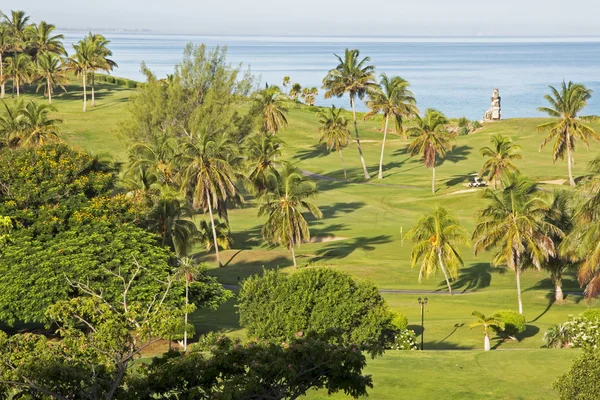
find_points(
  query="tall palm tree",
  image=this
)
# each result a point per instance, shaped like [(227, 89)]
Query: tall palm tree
[(52, 72), (432, 139), (500, 158), (209, 178), (38, 129), (187, 271), (17, 24), (334, 131), (295, 91), (156, 156), (100, 60), (515, 223), (20, 69), (262, 152), (309, 95), (487, 323), (286, 81), (271, 106), (5, 46), (354, 77), (394, 99), (40, 39), (437, 237), (566, 106), (11, 122), (82, 63), (283, 206)]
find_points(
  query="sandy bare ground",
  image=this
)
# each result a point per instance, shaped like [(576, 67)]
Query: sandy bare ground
[(555, 182), (325, 239), (465, 191)]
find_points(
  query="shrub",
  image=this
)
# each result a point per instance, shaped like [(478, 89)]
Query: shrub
[(121, 82), (131, 84), (514, 323), (593, 314), (110, 79), (208, 341), (556, 337), (475, 125), (464, 131), (463, 122), (583, 332), (404, 340), (399, 321), (582, 382)]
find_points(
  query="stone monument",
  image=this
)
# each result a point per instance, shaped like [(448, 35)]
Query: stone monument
[(494, 113)]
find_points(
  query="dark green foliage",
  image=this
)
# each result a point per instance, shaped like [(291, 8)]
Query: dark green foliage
[(464, 131), (463, 122), (582, 382), (110, 79), (514, 323), (278, 307), (131, 84)]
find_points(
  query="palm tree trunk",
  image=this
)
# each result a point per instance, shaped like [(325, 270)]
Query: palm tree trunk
[(518, 273), (294, 257), (486, 342), (558, 292), (380, 176), (84, 92), (570, 159), (343, 167), (362, 159), (433, 180), (214, 230), (49, 92), (93, 92), (443, 267), (16, 82), (187, 301), (2, 87)]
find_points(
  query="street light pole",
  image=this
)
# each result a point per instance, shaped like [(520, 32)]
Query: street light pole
[(422, 303)]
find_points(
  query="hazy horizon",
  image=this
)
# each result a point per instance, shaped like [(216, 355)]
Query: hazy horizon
[(437, 18)]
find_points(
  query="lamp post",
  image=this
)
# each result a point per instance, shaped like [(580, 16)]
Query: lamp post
[(422, 303)]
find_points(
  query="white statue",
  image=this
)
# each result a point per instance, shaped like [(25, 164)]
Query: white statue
[(495, 112)]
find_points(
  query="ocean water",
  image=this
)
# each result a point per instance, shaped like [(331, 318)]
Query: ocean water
[(453, 75)]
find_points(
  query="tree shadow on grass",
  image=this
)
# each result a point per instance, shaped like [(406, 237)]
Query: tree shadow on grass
[(329, 231), (459, 179), (551, 301), (458, 153), (334, 210), (530, 331), (343, 249), (316, 151), (474, 278), (247, 239)]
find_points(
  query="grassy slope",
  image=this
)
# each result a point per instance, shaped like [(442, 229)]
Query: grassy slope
[(370, 220)]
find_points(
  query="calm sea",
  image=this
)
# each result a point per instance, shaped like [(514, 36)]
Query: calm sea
[(454, 75)]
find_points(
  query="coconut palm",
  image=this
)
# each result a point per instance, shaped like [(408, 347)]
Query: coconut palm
[(100, 60), (487, 323), (82, 63), (354, 77), (38, 129), (309, 95), (514, 223), (262, 152), (5, 46), (286, 81), (209, 178), (187, 271), (566, 106), (51, 72), (500, 155), (283, 206), (11, 122), (17, 23), (40, 39), (394, 99), (334, 131), (271, 106), (437, 237), (157, 156), (205, 237), (20, 69), (295, 91), (432, 139)]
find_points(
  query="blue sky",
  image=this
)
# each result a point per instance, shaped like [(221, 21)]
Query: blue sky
[(324, 17)]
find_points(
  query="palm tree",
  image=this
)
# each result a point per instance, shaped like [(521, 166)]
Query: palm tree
[(487, 323), (437, 237), (186, 271), (432, 139), (11, 122), (156, 156), (20, 69), (334, 131), (40, 39), (17, 24), (394, 99), (500, 158), (286, 81), (262, 152), (295, 91), (81, 63), (271, 106), (566, 105), (5, 46), (354, 77), (209, 178), (205, 237), (100, 60), (309, 95), (515, 223), (38, 129), (283, 206), (52, 73)]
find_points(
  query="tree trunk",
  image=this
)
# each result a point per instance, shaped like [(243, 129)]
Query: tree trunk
[(380, 176), (84, 92), (343, 167), (518, 273), (16, 82), (49, 92), (214, 230), (570, 159), (187, 301), (433, 180), (486, 342), (445, 273), (294, 257), (2, 87), (93, 92), (362, 159), (558, 293)]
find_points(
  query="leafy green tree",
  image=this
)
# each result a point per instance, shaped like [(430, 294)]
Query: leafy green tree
[(334, 131), (20, 69), (394, 99), (581, 381), (514, 223), (486, 323), (52, 73), (289, 194), (501, 155), (41, 40), (271, 107), (568, 127), (432, 139), (261, 153), (437, 237), (354, 77), (317, 300), (38, 129), (82, 63)]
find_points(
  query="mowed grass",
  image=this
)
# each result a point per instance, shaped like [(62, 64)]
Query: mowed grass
[(361, 233)]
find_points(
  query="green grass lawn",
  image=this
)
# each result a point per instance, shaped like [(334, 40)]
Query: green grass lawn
[(361, 233)]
